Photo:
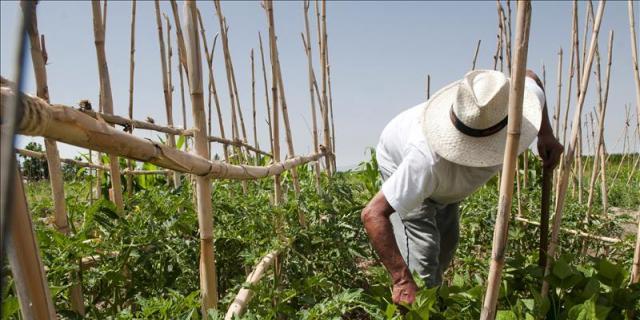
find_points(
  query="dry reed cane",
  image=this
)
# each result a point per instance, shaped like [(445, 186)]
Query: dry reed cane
[(38, 59), (132, 50), (266, 93), (563, 181), (516, 95), (634, 57), (166, 86), (208, 278), (314, 120), (106, 97)]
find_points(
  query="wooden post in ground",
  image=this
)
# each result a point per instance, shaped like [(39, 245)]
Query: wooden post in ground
[(24, 259), (564, 178), (39, 62), (132, 50), (106, 98), (307, 48), (208, 279), (516, 95)]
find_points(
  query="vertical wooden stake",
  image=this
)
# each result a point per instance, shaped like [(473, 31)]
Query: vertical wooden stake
[(132, 50), (475, 56), (38, 59), (516, 96), (266, 92), (564, 179), (24, 259), (307, 48), (106, 97), (208, 278)]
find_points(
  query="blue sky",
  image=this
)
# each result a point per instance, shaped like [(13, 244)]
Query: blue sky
[(380, 53)]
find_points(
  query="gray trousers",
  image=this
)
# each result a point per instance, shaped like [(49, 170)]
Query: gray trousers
[(428, 242)]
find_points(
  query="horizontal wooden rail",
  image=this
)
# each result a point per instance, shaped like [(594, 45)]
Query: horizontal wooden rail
[(144, 172), (71, 126), (137, 124), (42, 155), (575, 232)]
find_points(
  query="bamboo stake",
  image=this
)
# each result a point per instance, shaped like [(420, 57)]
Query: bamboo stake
[(275, 117), (475, 56), (234, 116), (428, 86), (516, 95), (212, 85), (253, 106), (556, 117), (563, 181), (208, 278), (333, 127), (266, 92), (24, 259), (132, 51), (635, 267), (325, 104), (106, 97), (599, 156), (499, 38), (634, 57), (42, 155), (166, 85), (38, 59), (239, 304), (182, 53), (307, 49), (283, 104), (625, 144)]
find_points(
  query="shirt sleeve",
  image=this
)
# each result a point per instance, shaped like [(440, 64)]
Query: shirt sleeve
[(411, 183)]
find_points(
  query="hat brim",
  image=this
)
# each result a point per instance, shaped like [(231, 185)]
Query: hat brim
[(460, 148)]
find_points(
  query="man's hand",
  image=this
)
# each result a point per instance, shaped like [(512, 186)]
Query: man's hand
[(375, 217), (549, 149), (404, 291)]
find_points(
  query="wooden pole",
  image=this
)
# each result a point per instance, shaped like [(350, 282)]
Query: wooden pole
[(428, 86), (208, 278), (516, 95), (314, 121), (38, 59), (24, 259), (106, 97), (564, 178)]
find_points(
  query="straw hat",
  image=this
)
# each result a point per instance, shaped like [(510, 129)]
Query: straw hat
[(466, 121)]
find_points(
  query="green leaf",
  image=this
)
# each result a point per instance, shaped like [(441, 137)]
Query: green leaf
[(506, 315)]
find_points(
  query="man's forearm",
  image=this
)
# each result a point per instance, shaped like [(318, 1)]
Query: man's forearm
[(381, 236)]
